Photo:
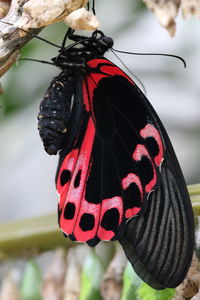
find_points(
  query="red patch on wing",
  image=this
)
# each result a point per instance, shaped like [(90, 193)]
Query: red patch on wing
[(150, 131), (139, 152)]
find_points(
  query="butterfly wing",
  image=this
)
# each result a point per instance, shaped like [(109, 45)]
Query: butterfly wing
[(121, 165), (159, 244)]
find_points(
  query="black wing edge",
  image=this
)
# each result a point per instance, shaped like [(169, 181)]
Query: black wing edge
[(159, 244)]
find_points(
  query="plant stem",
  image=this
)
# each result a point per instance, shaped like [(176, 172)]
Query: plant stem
[(31, 236), (194, 191), (42, 233)]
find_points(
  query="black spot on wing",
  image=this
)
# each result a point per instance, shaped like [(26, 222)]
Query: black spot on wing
[(87, 222), (77, 179), (72, 237), (65, 235), (132, 192), (145, 168), (152, 146), (65, 177), (69, 211), (93, 242), (110, 220)]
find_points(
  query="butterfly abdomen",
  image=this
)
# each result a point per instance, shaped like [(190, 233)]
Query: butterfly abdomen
[(55, 112)]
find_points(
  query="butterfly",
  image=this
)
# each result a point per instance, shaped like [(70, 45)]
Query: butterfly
[(118, 177)]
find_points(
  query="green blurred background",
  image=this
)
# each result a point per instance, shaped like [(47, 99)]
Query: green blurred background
[(27, 173)]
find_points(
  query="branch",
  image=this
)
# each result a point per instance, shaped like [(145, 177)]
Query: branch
[(32, 16)]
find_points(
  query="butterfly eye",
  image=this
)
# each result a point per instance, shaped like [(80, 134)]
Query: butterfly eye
[(107, 41)]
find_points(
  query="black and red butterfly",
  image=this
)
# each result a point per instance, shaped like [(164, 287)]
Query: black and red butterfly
[(118, 177)]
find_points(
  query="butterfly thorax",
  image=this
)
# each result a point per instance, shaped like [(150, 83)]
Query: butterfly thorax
[(76, 56)]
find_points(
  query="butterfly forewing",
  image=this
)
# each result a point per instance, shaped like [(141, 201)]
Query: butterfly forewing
[(117, 164)]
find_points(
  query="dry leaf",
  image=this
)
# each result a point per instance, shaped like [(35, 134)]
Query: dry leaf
[(81, 19), (165, 12), (191, 8)]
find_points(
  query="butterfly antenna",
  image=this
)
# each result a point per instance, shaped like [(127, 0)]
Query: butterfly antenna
[(34, 35), (131, 72), (37, 60), (93, 7), (160, 54)]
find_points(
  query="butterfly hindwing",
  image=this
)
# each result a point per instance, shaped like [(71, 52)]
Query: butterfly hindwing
[(159, 244)]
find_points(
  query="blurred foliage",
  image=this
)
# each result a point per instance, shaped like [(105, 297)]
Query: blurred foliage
[(11, 99), (19, 81), (92, 274), (135, 289), (131, 283), (31, 282), (145, 292)]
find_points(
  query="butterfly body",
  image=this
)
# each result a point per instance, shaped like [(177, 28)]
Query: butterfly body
[(118, 177)]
